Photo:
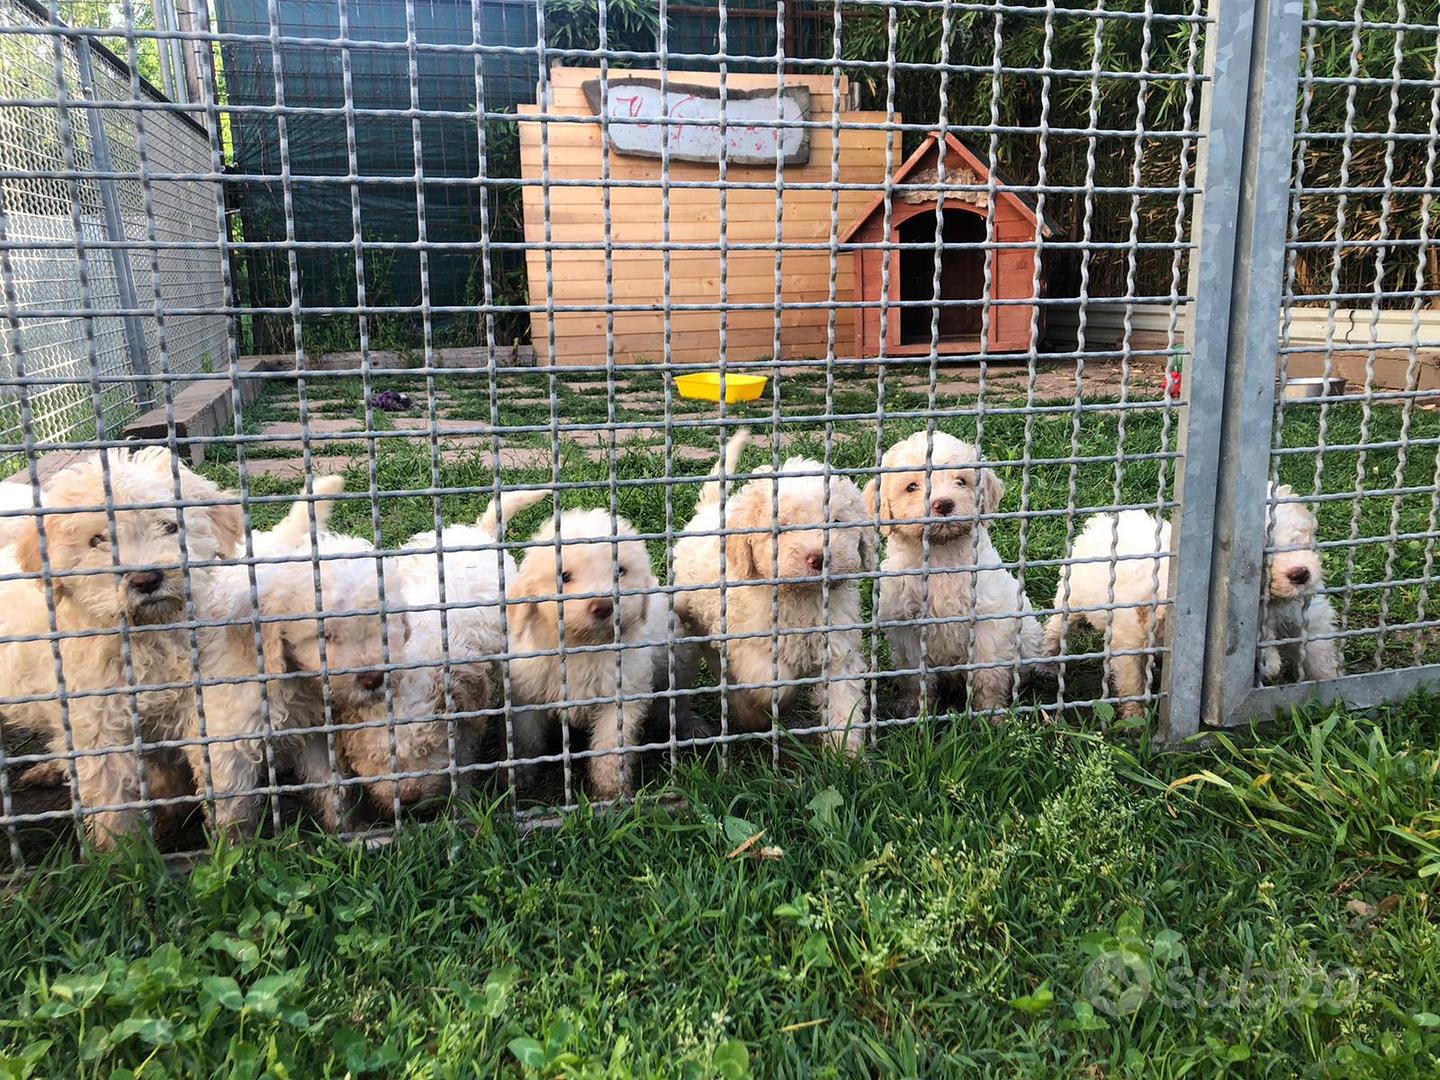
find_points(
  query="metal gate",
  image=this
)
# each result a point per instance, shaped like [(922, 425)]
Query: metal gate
[(1258, 113)]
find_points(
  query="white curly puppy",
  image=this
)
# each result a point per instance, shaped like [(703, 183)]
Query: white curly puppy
[(987, 606), (578, 581), (1135, 547), (805, 546), (444, 669), (1295, 612), (117, 568), (259, 705)]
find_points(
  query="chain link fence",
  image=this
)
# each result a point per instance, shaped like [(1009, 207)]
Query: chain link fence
[(113, 271), (757, 377)]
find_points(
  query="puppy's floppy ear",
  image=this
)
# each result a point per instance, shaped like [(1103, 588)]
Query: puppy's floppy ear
[(472, 686), (229, 525), (742, 513), (992, 490), (226, 520), (876, 505), (272, 648), (869, 547), (853, 506), (27, 547), (525, 617)]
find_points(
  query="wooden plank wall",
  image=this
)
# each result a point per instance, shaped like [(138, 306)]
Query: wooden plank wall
[(577, 216)]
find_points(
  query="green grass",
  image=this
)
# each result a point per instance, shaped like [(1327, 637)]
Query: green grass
[(950, 905)]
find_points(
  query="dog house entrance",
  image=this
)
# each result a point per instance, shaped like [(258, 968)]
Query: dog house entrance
[(962, 277)]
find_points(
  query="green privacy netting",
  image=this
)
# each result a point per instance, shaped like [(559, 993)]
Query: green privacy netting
[(316, 145)]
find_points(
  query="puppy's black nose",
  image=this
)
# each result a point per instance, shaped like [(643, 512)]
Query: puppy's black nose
[(145, 581), (941, 507), (602, 609), (815, 561), (370, 680), (1298, 574)]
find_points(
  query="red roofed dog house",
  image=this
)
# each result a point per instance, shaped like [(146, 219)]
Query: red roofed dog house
[(962, 267)]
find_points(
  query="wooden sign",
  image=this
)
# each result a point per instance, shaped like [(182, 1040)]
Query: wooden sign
[(751, 136)]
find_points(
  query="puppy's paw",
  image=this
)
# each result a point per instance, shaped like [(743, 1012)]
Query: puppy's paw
[(46, 774), (1270, 664)]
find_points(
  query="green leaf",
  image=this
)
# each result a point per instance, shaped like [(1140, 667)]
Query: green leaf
[(1037, 1002), (264, 995), (738, 830), (245, 953), (1084, 1018), (823, 806), (35, 1051), (1426, 1019), (1167, 945), (54, 1009), (528, 1052), (1103, 711), (224, 990), (79, 990), (816, 951), (246, 1059), (156, 1031), (732, 1060), (95, 1043), (469, 999), (351, 1047), (357, 910), (21, 1066), (1129, 926), (497, 990)]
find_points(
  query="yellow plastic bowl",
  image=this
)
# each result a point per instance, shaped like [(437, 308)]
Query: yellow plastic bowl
[(705, 385)]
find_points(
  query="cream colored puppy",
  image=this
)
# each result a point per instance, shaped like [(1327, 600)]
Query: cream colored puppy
[(811, 538), (1135, 610), (1135, 548), (112, 569), (578, 581), (263, 705), (446, 669), (981, 610)]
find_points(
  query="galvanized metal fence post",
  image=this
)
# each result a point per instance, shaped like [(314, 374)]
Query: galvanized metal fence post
[(1248, 116), (114, 227)]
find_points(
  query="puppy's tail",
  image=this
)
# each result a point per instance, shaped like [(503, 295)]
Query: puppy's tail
[(505, 508), (710, 493), (294, 530)]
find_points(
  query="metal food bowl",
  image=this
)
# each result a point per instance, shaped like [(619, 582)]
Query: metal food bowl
[(1299, 389)]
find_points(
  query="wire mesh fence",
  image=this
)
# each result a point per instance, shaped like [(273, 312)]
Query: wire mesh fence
[(617, 386)]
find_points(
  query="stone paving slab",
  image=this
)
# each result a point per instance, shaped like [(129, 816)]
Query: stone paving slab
[(443, 424)]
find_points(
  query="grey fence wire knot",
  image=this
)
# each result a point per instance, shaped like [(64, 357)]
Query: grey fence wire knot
[(514, 400)]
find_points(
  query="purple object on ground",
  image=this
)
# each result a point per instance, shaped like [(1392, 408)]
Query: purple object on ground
[(391, 401)]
